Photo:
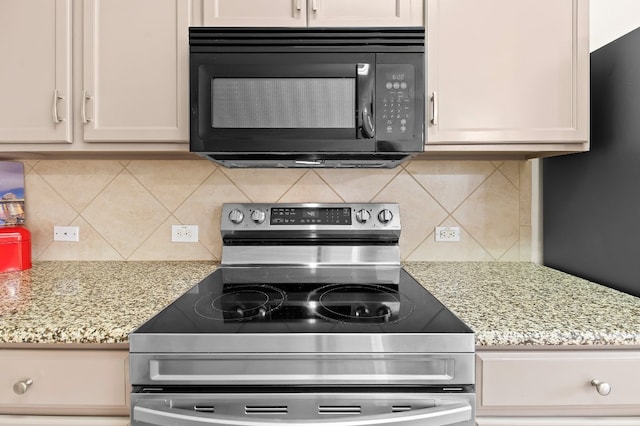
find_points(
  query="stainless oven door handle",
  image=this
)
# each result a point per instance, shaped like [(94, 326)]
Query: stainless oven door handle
[(442, 415)]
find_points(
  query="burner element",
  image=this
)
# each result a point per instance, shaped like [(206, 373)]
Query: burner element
[(359, 304), (241, 303)]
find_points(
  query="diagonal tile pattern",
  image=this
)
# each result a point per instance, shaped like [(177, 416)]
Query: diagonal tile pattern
[(125, 213), (78, 182), (125, 208), (491, 215), (264, 185), (204, 208)]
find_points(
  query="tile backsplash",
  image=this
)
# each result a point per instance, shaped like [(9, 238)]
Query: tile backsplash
[(125, 209)]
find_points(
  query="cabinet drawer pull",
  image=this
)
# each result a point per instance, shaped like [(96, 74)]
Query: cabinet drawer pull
[(298, 5), (85, 97), (603, 388), (56, 97), (434, 108), (22, 386), (314, 5)]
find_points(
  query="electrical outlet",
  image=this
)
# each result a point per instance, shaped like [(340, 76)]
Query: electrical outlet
[(447, 233), (184, 233), (66, 233)]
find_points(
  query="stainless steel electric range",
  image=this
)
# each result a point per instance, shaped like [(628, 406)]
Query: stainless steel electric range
[(310, 320)]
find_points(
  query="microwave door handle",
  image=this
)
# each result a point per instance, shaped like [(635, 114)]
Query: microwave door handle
[(364, 89), (442, 415)]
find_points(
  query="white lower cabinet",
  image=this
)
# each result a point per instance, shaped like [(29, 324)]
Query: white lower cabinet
[(63, 421), (557, 421), (64, 387), (558, 387)]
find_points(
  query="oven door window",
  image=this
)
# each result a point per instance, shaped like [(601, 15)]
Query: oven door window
[(283, 102)]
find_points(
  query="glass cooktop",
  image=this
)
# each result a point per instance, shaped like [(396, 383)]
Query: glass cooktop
[(306, 300)]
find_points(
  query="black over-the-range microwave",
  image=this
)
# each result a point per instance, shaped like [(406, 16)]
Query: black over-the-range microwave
[(307, 97)]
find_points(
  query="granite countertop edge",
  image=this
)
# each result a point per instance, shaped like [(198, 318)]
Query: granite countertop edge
[(505, 303)]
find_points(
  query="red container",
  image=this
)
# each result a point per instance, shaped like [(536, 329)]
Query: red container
[(15, 248)]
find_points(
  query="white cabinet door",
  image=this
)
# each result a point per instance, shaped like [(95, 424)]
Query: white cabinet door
[(63, 421), (254, 13), (135, 70), (365, 13), (317, 13), (64, 381), (558, 421), (504, 71), (35, 72)]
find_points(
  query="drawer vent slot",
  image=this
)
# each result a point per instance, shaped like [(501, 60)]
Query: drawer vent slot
[(204, 408), (400, 408), (339, 409), (266, 409)]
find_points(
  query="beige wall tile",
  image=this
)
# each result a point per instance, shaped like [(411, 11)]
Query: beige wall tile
[(204, 207), (467, 249), (125, 208), (77, 181), (512, 254), (125, 213), (525, 243), (310, 188), (511, 170), (264, 185), (44, 208), (450, 182), (171, 181), (525, 193), (491, 214), (419, 212), (90, 247), (358, 185), (159, 246)]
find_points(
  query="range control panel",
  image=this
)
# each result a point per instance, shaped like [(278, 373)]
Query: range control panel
[(345, 217), (310, 215)]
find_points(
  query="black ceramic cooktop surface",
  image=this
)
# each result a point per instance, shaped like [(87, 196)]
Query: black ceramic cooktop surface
[(306, 300)]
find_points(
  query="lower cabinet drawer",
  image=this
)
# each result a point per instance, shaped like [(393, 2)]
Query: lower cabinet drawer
[(558, 421), (63, 421), (540, 382), (63, 381)]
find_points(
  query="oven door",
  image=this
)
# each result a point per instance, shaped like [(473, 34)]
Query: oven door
[(303, 409), (282, 102)]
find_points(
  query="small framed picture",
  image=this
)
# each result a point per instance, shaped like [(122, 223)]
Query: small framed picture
[(11, 193)]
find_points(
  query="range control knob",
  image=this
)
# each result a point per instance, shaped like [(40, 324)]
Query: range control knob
[(258, 216), (385, 216), (362, 216), (236, 216)]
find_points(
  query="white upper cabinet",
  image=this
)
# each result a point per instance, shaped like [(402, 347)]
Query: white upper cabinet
[(508, 72), (135, 70), (318, 13), (254, 13), (364, 13), (35, 75)]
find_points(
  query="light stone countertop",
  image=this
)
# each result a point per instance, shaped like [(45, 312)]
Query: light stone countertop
[(504, 303), (528, 304)]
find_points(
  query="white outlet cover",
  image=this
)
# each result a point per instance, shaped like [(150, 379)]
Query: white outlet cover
[(447, 233), (66, 233), (184, 233)]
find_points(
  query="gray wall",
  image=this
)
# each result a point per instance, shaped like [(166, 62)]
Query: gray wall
[(591, 201)]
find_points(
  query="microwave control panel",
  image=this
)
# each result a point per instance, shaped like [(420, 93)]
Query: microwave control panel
[(395, 88)]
